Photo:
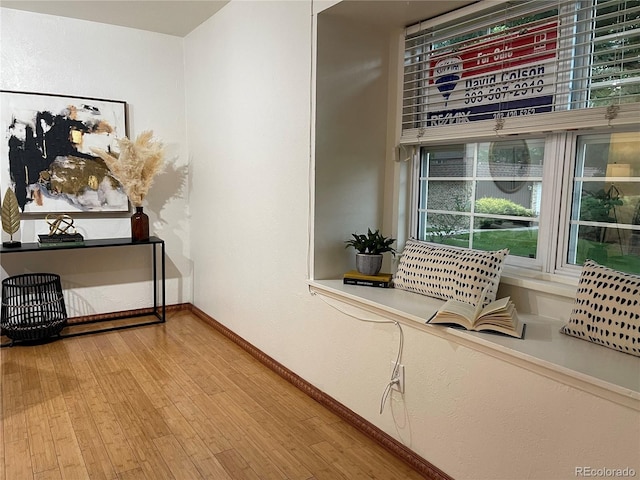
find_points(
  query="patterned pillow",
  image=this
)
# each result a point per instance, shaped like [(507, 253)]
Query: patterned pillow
[(607, 309), (450, 273)]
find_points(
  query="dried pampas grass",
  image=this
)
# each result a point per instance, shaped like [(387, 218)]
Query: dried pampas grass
[(136, 165)]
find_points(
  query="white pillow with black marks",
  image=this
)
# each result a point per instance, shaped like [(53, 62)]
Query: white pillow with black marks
[(607, 309), (450, 273)]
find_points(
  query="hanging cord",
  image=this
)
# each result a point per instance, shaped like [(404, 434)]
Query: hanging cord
[(392, 380)]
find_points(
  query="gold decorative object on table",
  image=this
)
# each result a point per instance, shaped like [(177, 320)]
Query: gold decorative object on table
[(61, 232), (60, 224), (10, 217)]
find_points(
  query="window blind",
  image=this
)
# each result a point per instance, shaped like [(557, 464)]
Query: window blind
[(522, 67)]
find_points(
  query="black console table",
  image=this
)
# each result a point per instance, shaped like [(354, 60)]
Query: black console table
[(159, 310)]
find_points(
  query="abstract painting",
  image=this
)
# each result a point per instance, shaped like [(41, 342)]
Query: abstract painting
[(46, 156)]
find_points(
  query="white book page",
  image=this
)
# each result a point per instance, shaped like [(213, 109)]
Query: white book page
[(495, 306), (456, 312)]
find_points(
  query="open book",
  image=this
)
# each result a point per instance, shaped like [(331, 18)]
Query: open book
[(499, 316)]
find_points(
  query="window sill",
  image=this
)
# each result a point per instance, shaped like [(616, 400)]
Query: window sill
[(592, 368), (564, 286)]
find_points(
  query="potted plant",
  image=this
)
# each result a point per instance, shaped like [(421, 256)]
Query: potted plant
[(370, 248), (135, 168)]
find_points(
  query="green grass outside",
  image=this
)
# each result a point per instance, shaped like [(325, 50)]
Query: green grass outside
[(523, 243), (609, 255)]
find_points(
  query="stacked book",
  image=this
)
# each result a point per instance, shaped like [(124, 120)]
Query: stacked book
[(382, 280), (60, 240)]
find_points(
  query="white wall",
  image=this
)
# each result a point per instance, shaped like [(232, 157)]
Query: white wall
[(43, 53), (248, 95), (352, 86), (248, 110)]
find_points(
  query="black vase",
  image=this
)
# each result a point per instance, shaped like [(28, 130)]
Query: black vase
[(139, 226)]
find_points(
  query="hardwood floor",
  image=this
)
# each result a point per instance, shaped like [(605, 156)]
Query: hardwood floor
[(173, 401)]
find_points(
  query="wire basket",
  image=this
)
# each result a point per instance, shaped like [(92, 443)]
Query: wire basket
[(32, 306)]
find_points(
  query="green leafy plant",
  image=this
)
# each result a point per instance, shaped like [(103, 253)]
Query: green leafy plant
[(372, 242), (599, 206), (501, 206)]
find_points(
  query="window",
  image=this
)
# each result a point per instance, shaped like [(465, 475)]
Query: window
[(605, 206), (477, 195), (524, 118)]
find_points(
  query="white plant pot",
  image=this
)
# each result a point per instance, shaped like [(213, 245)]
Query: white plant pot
[(368, 264)]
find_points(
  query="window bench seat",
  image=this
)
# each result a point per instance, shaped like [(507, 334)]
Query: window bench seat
[(592, 368)]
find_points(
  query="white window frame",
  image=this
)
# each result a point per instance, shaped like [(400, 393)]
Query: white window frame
[(562, 266), (560, 130), (558, 181), (536, 263)]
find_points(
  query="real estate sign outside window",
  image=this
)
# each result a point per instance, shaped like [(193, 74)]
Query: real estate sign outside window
[(497, 76), (542, 72), (516, 59)]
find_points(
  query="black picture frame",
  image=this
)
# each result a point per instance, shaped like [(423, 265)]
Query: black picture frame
[(46, 156)]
